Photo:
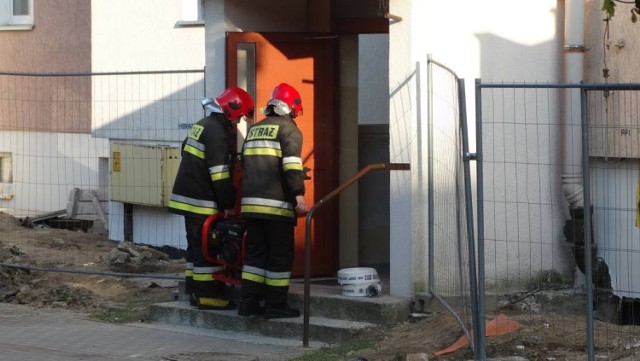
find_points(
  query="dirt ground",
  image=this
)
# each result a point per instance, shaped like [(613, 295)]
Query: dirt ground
[(549, 337), (100, 295), (126, 299)]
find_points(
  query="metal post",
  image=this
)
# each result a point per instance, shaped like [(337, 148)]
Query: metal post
[(588, 266), (480, 207), (128, 222), (430, 182)]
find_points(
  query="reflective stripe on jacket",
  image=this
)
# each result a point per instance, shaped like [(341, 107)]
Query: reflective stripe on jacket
[(272, 169), (203, 184)]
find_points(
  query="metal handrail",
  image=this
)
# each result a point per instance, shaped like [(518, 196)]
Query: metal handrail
[(307, 245)]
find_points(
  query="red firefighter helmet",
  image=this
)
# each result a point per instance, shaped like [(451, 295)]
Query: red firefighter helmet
[(235, 102), (285, 99)]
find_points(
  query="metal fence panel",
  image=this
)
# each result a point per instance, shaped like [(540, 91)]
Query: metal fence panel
[(56, 135), (534, 237), (449, 260)]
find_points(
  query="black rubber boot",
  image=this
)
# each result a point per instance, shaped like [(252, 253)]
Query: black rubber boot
[(250, 309), (192, 300), (280, 311)]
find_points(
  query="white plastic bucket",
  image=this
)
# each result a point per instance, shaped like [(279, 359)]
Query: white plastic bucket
[(359, 282)]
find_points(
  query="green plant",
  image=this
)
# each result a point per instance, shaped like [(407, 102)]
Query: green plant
[(609, 7)]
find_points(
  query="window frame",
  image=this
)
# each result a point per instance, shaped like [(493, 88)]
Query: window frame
[(192, 14), (22, 19), (9, 20), (6, 168)]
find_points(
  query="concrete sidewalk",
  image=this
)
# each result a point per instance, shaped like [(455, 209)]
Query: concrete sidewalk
[(33, 334)]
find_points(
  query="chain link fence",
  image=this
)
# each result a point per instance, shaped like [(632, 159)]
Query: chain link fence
[(58, 135)]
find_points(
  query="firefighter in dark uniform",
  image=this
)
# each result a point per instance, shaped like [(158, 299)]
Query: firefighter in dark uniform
[(272, 197), (204, 186)]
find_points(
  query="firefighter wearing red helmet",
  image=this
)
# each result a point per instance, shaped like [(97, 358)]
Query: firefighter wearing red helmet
[(203, 186), (272, 197)]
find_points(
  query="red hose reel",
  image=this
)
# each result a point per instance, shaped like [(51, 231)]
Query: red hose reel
[(223, 243)]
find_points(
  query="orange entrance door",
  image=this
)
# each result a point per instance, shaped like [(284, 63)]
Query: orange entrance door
[(260, 61)]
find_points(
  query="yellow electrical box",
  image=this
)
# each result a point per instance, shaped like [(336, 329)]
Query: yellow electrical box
[(143, 174)]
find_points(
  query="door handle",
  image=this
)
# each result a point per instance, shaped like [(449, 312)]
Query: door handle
[(306, 171)]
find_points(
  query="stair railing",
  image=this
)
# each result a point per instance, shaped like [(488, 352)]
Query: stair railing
[(307, 245)]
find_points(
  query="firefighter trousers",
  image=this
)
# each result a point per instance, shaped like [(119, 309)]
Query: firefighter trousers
[(203, 285), (268, 262)]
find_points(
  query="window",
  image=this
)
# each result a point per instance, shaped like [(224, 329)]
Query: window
[(6, 168), (21, 8), (22, 12), (192, 10), (192, 13), (16, 12)]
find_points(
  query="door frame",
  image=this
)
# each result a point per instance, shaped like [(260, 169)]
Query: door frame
[(325, 238)]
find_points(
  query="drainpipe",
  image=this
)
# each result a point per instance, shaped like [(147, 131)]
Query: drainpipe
[(573, 72), (571, 138), (572, 178), (572, 150), (571, 119)]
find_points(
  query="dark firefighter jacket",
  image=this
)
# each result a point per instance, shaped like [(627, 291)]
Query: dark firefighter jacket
[(203, 185), (272, 174)]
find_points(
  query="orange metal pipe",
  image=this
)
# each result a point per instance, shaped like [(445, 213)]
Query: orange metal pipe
[(307, 245)]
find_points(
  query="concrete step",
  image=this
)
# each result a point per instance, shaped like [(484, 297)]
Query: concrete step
[(327, 301), (321, 329), (333, 318)]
